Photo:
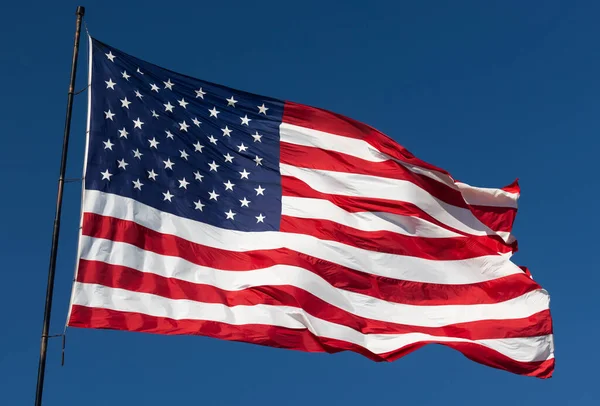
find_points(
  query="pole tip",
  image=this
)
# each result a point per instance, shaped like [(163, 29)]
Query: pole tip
[(80, 11)]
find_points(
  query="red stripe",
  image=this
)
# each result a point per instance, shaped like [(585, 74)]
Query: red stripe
[(513, 187), (294, 187), (327, 121), (281, 337), (442, 249), (496, 218), (393, 290), (121, 277)]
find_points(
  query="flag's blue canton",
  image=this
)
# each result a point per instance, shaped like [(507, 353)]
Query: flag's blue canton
[(182, 145)]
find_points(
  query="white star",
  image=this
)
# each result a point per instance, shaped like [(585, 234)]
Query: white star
[(137, 154), (125, 75), (152, 175), (257, 137), (213, 166), (137, 184), (138, 94), (106, 175), (200, 93), (139, 71), (212, 139), (198, 176), (137, 123), (198, 146), (196, 122), (168, 107), (153, 143), (109, 115), (168, 196), (183, 126), (110, 56), (245, 202), (183, 183), (184, 154), (154, 114), (123, 133), (169, 134), (154, 88), (245, 120), (182, 103), (228, 158), (125, 103), (230, 214), (244, 174), (199, 205), (260, 218), (108, 144), (260, 190), (226, 131), (168, 84), (229, 185), (122, 164), (110, 84), (262, 109), (214, 112), (213, 195), (231, 101), (242, 147), (258, 160), (169, 164)]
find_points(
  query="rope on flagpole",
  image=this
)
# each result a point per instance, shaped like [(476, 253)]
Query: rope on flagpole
[(81, 91), (64, 334)]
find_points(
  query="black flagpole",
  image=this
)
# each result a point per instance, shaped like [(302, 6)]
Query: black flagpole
[(55, 232)]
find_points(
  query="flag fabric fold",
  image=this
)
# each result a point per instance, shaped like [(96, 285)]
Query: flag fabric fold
[(212, 211)]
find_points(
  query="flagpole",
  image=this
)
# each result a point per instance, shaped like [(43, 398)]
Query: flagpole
[(55, 232)]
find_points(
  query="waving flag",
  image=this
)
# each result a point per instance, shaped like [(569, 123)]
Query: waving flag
[(212, 211)]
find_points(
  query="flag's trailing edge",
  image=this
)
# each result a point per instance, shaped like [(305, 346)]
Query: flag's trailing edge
[(212, 211)]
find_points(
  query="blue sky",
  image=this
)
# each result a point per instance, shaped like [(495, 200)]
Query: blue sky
[(490, 91)]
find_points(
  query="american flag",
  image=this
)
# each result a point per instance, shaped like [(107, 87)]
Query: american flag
[(212, 211)]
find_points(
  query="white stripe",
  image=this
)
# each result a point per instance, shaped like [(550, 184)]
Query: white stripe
[(356, 185), (367, 221), (293, 134), (97, 296), (118, 253), (481, 196), (407, 268)]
